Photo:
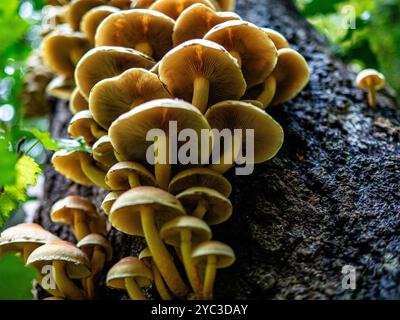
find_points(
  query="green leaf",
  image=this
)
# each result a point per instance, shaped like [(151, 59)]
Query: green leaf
[(15, 279), (315, 7), (8, 160)]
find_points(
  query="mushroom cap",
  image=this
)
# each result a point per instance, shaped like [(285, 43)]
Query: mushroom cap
[(369, 77), (64, 210), (255, 103), (113, 97), (226, 5), (26, 233), (202, 58), (128, 133), (121, 4), (219, 208), (92, 19), (106, 62), (200, 177), (117, 177), (125, 213), (268, 134), (58, 47), (142, 4), (224, 254), (277, 38), (77, 263), (257, 51), (77, 102), (109, 200), (131, 27), (78, 8), (145, 254), (80, 126), (173, 8), (95, 239), (103, 152), (196, 20), (61, 88), (129, 267), (171, 231), (291, 74), (68, 163)]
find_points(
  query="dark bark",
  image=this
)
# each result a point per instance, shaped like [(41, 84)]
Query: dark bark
[(330, 198)]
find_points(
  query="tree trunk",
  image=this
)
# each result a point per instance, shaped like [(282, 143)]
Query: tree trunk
[(330, 198)]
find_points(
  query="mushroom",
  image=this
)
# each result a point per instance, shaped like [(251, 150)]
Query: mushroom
[(215, 255), (225, 5), (200, 177), (68, 263), (185, 232), (268, 134), (104, 153), (77, 102), (255, 103), (77, 9), (128, 133), (142, 4), (139, 212), (277, 38), (373, 81), (83, 125), (195, 21), (113, 97), (80, 214), (130, 274), (202, 72), (288, 79), (173, 8), (146, 256), (107, 62), (250, 45), (127, 175), (144, 30), (99, 251), (121, 4), (79, 167), (207, 204), (92, 19), (109, 200), (61, 88)]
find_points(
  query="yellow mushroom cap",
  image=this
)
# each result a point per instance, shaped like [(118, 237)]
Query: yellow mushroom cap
[(142, 4), (291, 74), (92, 19), (145, 254), (125, 212), (78, 8), (202, 58), (224, 254), (370, 77), (256, 50), (277, 38), (268, 134), (113, 97), (117, 177), (128, 133), (81, 124), (225, 5), (219, 208), (106, 62), (129, 28), (109, 200), (196, 20), (200, 177), (121, 4), (61, 88), (103, 152), (95, 239), (77, 263), (171, 231), (129, 267), (77, 102), (65, 209), (173, 8)]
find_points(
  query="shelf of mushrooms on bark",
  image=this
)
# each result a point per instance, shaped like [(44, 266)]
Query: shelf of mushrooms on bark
[(127, 68)]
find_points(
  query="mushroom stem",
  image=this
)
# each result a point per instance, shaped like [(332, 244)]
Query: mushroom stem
[(209, 278), (133, 180), (161, 257), (81, 229), (227, 160), (93, 173), (200, 210), (162, 171), (160, 285), (97, 263), (191, 272), (97, 132), (268, 92), (28, 248), (372, 96), (65, 284), (237, 56), (145, 47), (201, 90), (133, 289)]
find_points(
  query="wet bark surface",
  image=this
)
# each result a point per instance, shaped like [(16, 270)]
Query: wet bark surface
[(330, 198)]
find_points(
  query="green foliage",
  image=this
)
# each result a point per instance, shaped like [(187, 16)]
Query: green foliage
[(15, 279), (8, 161)]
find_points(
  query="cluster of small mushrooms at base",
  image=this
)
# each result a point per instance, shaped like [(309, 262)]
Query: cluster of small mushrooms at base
[(127, 67)]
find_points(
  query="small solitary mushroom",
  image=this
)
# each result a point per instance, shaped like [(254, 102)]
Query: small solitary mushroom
[(83, 125), (373, 81), (173, 8), (61, 88), (215, 255), (68, 263), (77, 102), (202, 72), (130, 274), (104, 153)]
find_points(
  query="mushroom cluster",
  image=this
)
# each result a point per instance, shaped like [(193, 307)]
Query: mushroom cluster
[(140, 68)]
